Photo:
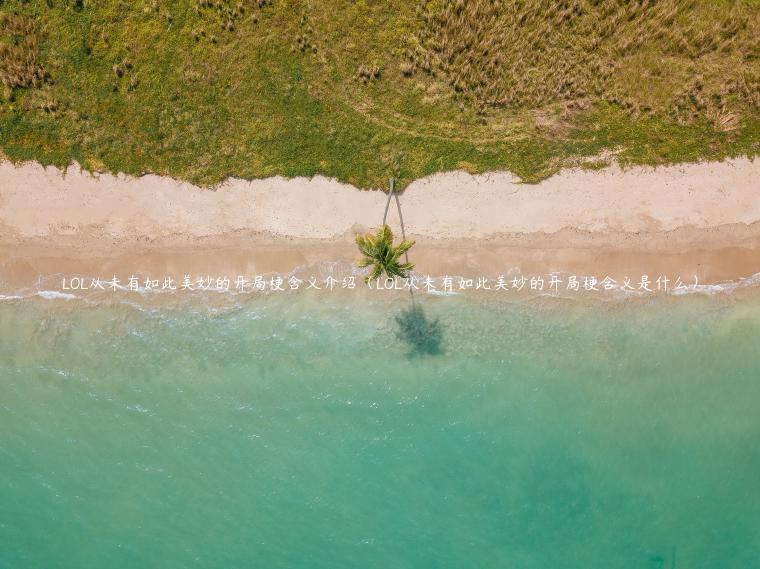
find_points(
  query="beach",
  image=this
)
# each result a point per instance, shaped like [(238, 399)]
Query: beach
[(688, 220), (374, 428)]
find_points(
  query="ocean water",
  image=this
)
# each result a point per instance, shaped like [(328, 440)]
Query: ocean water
[(313, 431)]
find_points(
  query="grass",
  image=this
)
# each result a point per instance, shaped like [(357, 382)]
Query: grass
[(206, 90), (687, 57)]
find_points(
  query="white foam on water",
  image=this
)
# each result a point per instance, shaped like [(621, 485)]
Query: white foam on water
[(443, 293), (56, 295), (722, 287), (618, 293)]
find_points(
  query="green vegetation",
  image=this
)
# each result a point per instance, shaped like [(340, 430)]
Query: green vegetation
[(363, 89), (379, 252)]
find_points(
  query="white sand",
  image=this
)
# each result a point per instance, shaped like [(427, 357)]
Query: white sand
[(37, 202)]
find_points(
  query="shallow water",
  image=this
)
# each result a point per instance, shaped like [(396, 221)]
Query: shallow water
[(307, 431)]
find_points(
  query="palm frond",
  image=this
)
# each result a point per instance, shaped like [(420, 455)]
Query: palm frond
[(379, 252), (377, 271), (406, 268), (404, 246)]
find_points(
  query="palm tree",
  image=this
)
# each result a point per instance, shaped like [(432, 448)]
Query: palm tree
[(380, 252)]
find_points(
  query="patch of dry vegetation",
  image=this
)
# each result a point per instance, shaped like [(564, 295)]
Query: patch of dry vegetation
[(689, 58), (226, 14), (19, 64)]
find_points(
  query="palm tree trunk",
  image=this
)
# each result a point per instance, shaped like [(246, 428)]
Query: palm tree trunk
[(401, 220), (388, 203), (403, 238), (403, 230)]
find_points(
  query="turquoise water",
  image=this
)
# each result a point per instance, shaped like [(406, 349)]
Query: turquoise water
[(305, 432)]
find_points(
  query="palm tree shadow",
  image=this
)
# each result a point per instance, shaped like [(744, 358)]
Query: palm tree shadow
[(422, 335)]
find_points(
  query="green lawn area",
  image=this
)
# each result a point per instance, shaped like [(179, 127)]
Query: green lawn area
[(206, 90)]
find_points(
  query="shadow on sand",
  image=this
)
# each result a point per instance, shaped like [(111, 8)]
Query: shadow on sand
[(423, 336)]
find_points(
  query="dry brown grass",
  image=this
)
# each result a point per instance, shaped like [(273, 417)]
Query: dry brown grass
[(693, 58), (19, 65), (227, 14)]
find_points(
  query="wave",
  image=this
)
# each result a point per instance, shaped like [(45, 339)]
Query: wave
[(10, 297), (724, 287), (56, 295)]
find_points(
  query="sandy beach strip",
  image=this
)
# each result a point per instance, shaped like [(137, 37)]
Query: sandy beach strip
[(686, 219)]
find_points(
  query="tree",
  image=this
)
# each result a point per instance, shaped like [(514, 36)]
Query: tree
[(379, 252)]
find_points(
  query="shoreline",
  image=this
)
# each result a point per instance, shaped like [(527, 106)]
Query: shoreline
[(692, 219)]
